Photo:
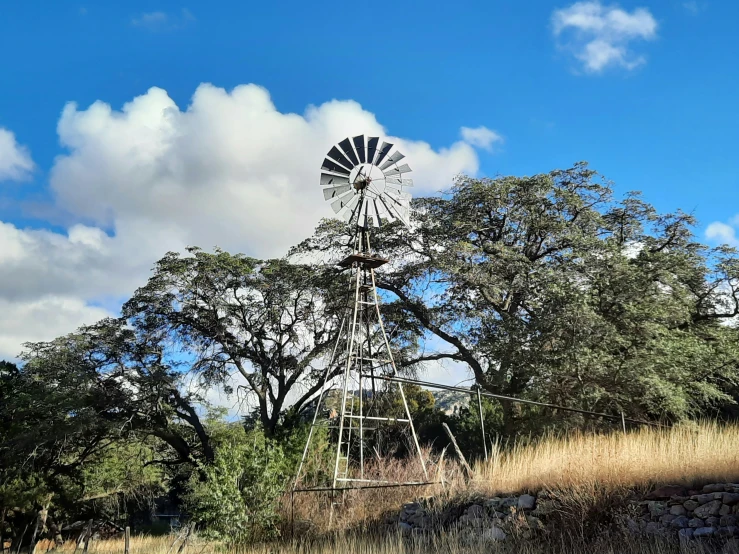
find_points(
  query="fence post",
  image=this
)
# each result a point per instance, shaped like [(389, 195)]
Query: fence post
[(482, 423), (127, 541), (623, 421)]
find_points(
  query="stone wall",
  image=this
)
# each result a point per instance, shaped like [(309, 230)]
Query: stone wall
[(672, 511), (712, 511)]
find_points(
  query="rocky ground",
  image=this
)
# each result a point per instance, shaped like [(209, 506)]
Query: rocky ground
[(671, 512)]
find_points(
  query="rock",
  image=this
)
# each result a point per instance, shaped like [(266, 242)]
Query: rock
[(702, 498), (725, 510), (678, 510), (656, 509), (667, 519), (685, 534), (712, 521), (695, 523), (725, 532), (709, 509), (404, 527), (704, 532), (728, 521), (680, 522), (526, 502), (653, 528), (690, 505), (471, 521), (666, 492), (509, 502), (494, 502), (493, 534), (716, 487), (730, 498), (475, 511)]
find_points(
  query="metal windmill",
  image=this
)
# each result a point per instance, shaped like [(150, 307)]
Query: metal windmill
[(365, 184)]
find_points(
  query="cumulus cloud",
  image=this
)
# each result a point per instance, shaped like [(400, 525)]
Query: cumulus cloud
[(43, 318), (228, 170), (481, 137), (601, 36), (15, 160), (724, 233)]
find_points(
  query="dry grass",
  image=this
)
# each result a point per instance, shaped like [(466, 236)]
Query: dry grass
[(688, 455), (585, 467), (353, 544), (588, 471)]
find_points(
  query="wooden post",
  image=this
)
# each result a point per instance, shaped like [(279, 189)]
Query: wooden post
[(88, 535), (461, 457), (127, 543), (187, 537), (482, 423), (623, 421)]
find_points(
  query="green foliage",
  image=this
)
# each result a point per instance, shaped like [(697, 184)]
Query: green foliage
[(550, 289), (237, 501)]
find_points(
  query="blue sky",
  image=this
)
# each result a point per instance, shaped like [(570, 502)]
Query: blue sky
[(645, 91)]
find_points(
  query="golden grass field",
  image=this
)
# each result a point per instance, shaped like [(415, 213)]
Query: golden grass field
[(595, 465), (584, 468)]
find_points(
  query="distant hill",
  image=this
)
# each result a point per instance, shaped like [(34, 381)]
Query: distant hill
[(450, 401)]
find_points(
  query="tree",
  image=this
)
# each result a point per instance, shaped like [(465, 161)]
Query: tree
[(548, 288), (270, 321)]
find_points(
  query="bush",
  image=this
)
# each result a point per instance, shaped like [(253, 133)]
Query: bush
[(237, 500)]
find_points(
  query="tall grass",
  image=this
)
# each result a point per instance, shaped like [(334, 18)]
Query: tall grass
[(686, 454), (585, 467), (395, 544)]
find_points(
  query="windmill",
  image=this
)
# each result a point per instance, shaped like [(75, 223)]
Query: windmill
[(365, 184)]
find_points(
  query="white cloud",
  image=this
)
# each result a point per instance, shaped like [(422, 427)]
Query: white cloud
[(15, 160), (229, 170), (600, 36), (43, 318), (481, 137), (724, 233), (162, 21)]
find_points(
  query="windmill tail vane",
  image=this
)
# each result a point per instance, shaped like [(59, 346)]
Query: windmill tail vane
[(365, 183)]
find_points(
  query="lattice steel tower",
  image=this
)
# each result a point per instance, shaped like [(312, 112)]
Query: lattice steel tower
[(365, 184)]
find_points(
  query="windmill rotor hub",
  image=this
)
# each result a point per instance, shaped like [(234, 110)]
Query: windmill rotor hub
[(365, 181)]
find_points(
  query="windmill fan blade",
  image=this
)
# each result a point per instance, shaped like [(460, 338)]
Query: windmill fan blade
[(402, 197), (329, 179), (346, 146), (351, 208), (342, 202), (335, 192), (405, 168), (395, 158), (398, 181), (375, 213), (336, 154), (371, 148), (382, 152), (359, 147), (331, 165)]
